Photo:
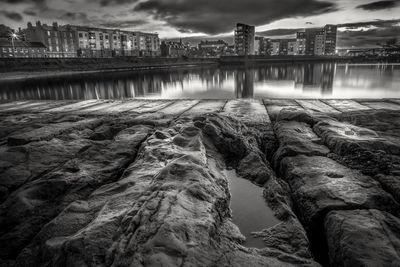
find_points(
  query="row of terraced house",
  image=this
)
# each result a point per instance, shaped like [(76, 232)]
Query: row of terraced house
[(69, 41)]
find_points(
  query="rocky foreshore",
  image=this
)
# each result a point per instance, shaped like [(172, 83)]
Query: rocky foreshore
[(143, 183)]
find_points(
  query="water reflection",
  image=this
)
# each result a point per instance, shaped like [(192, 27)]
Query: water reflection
[(320, 80)]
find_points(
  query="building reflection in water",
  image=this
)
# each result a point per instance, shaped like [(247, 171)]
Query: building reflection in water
[(244, 83), (193, 83)]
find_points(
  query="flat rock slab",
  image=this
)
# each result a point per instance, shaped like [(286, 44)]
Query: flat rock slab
[(346, 105), (75, 106), (343, 138), (363, 238), (124, 106), (381, 105), (317, 106), (153, 106), (206, 106), (247, 111), (280, 102), (179, 107), (274, 106), (100, 108), (24, 106), (45, 105), (296, 138), (5, 106), (320, 185)]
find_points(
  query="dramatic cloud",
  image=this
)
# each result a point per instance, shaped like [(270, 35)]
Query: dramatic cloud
[(30, 13), (279, 32), (11, 15), (378, 5), (123, 23), (357, 34), (114, 2), (38, 2), (368, 24), (370, 38), (213, 17)]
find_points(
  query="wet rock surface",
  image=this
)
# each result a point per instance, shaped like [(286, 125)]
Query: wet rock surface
[(143, 183)]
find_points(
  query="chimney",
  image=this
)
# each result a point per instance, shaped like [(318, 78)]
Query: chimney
[(29, 25), (38, 24), (55, 25)]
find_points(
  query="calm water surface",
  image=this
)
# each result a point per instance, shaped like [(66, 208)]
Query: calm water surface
[(314, 80), (250, 211)]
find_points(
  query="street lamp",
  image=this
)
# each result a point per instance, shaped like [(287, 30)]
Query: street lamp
[(13, 37)]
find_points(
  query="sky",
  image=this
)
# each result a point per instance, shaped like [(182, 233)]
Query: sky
[(363, 23)]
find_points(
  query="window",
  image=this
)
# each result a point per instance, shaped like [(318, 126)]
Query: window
[(48, 33), (80, 35)]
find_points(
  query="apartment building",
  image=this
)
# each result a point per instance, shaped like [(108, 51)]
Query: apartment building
[(301, 43), (60, 41), (275, 47), (330, 39), (83, 41), (321, 41), (244, 39)]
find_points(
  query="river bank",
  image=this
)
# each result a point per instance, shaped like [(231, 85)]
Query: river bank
[(143, 183), (36, 68)]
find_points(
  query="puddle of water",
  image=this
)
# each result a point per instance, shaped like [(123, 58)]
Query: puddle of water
[(250, 211)]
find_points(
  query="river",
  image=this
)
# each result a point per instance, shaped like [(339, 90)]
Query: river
[(307, 80)]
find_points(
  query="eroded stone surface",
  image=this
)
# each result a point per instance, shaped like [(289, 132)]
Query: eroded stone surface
[(320, 184), (360, 147), (136, 187), (363, 238), (49, 131), (296, 138), (167, 209), (26, 210)]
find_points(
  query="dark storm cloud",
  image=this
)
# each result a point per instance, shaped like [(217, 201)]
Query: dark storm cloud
[(370, 38), (39, 2), (11, 15), (373, 23), (122, 23), (378, 5), (114, 2), (219, 16), (30, 13), (279, 32), (73, 16)]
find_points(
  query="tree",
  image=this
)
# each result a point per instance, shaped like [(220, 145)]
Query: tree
[(5, 31)]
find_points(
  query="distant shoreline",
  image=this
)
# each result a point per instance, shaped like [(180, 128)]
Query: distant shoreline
[(22, 75)]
